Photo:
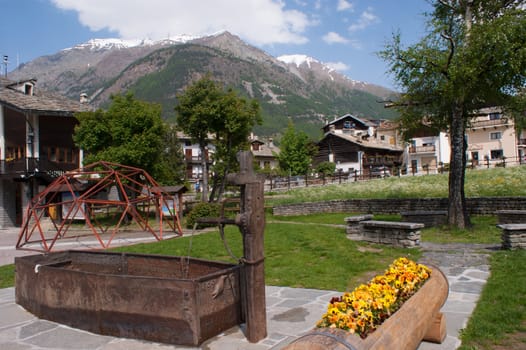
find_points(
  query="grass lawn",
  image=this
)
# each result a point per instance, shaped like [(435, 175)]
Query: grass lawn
[(495, 182), (499, 320), (484, 228), (297, 255), (7, 276)]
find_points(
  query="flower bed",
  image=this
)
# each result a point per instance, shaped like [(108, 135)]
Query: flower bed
[(369, 305)]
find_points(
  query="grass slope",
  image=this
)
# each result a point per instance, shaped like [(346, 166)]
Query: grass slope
[(494, 182)]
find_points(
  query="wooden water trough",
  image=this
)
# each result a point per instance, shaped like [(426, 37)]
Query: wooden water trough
[(166, 299), (418, 319)]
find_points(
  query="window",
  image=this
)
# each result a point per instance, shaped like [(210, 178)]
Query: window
[(348, 125), (414, 166), (382, 137), (497, 154), (494, 116), (28, 89), (495, 135), (52, 154)]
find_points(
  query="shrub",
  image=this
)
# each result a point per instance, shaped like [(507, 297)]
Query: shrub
[(202, 210), (326, 168)]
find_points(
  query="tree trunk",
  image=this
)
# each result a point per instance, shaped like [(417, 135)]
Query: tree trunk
[(457, 211), (214, 186), (228, 166), (204, 167), (222, 184)]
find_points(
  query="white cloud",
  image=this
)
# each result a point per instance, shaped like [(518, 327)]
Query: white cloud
[(366, 19), (344, 5), (338, 66), (334, 38), (301, 2), (261, 22)]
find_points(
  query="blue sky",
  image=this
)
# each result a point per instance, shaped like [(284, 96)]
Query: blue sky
[(343, 33)]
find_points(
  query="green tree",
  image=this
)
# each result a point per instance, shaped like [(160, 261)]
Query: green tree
[(130, 132), (207, 113), (197, 109), (237, 118), (296, 152), (474, 55), (172, 168)]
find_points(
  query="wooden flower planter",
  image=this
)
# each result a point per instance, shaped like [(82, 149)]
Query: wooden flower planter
[(418, 319)]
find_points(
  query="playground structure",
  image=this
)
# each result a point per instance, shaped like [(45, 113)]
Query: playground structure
[(106, 196)]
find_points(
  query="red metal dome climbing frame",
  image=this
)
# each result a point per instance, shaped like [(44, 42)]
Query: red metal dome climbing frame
[(84, 193)]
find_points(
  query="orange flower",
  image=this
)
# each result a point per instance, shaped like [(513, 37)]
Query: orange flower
[(364, 309)]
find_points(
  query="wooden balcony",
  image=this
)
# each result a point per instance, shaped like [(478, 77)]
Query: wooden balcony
[(482, 124), (20, 168), (195, 160), (422, 149)]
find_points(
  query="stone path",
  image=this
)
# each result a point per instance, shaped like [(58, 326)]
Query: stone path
[(467, 269)]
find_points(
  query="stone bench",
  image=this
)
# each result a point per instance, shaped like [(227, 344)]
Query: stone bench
[(513, 236), (430, 218), (511, 216), (401, 234), (353, 223)]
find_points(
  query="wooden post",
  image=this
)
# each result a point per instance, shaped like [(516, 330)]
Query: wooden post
[(251, 222)]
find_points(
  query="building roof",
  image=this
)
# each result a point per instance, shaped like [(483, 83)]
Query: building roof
[(365, 123), (266, 151), (40, 101), (367, 143), (388, 125), (174, 189)]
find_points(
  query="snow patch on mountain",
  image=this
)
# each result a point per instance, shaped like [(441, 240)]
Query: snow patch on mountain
[(298, 60), (327, 68), (114, 43)]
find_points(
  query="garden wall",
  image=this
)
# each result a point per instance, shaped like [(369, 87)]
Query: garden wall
[(479, 205)]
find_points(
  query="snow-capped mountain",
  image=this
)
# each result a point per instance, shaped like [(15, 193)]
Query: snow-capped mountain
[(298, 60), (294, 86), (114, 43), (304, 66)]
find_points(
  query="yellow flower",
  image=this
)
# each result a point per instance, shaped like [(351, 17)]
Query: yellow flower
[(333, 311), (363, 310)]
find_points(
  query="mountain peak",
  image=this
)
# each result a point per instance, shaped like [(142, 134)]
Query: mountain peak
[(298, 60)]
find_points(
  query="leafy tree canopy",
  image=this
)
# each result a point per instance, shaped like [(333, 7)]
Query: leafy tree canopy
[(208, 113), (473, 56), (296, 152), (474, 52), (130, 132)]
